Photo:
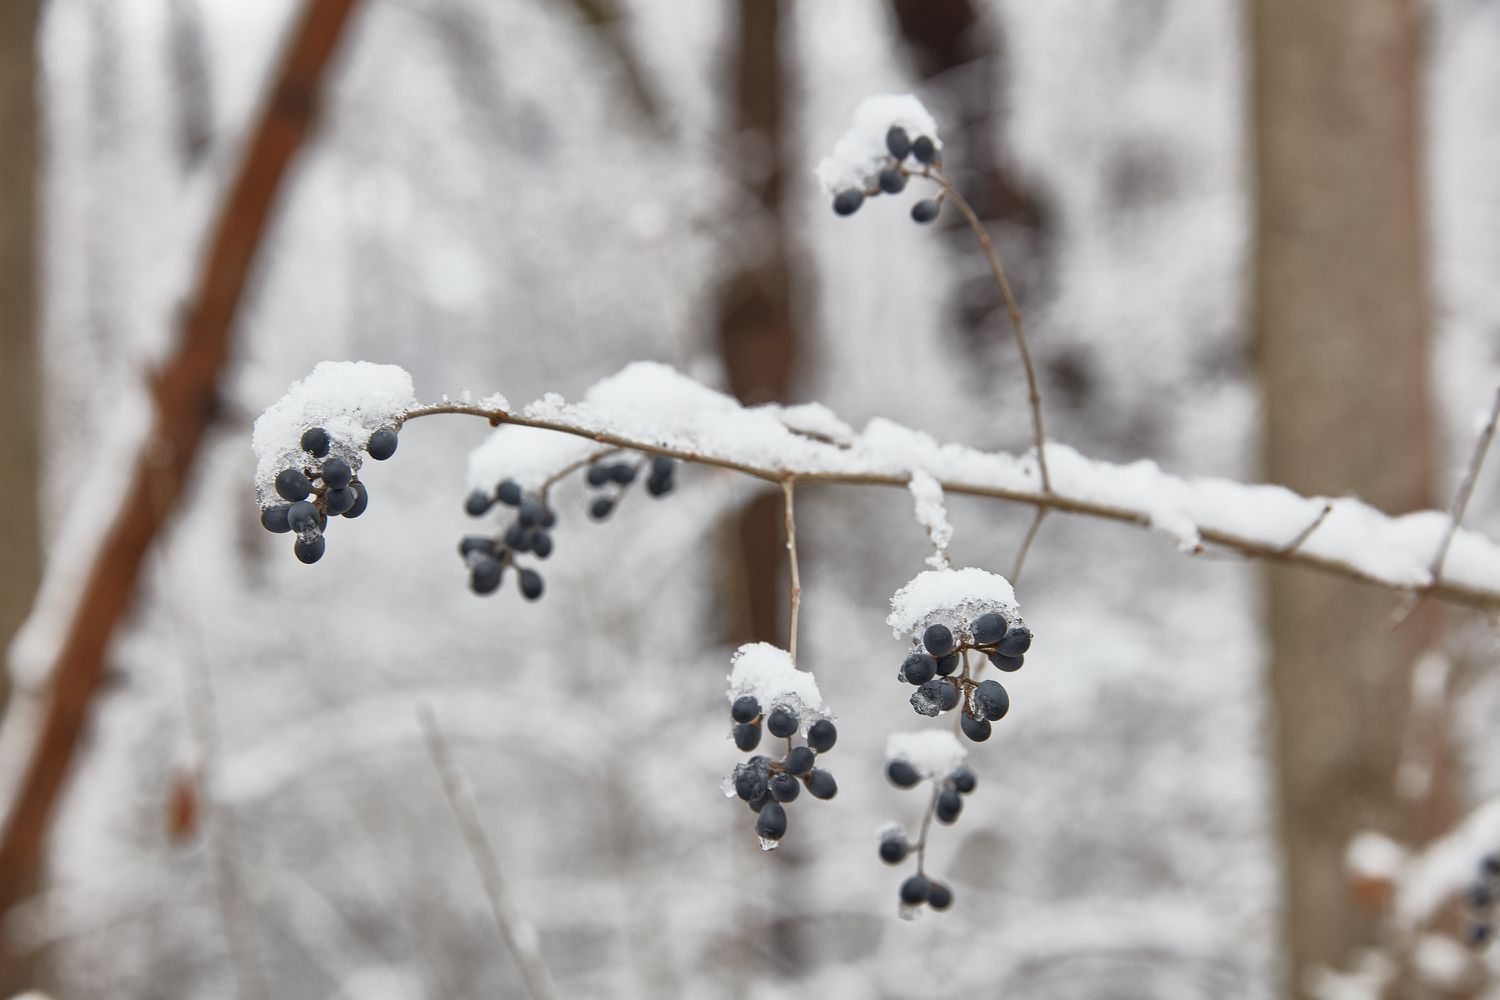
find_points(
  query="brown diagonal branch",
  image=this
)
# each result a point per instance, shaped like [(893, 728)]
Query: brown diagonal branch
[(184, 394)]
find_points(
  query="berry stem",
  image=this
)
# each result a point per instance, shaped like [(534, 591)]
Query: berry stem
[(573, 467), (920, 847), (788, 489)]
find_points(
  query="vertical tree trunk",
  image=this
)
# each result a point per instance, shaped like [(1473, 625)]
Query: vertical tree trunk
[(1342, 333)]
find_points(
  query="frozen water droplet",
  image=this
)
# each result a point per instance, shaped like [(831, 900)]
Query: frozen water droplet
[(907, 912), (727, 786), (767, 844)]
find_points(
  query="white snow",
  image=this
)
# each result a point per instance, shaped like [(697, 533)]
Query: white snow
[(953, 597), (349, 399), (815, 420), (1445, 866), (861, 153), (1373, 855), (767, 672), (525, 454), (927, 493), (1442, 962), (935, 753)]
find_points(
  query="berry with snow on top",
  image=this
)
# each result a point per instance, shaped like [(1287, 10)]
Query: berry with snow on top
[(924, 149), (316, 442), (847, 202), (382, 444)]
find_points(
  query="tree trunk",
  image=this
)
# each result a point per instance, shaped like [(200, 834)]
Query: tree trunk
[(1342, 334)]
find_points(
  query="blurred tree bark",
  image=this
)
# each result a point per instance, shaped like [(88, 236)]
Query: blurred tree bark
[(1343, 337), (20, 403)]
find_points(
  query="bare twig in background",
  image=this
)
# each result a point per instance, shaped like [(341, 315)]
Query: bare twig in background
[(604, 17), (1031, 532), (519, 937), (1466, 488), (185, 396), (788, 488)]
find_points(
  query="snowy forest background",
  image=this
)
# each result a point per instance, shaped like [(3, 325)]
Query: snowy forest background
[(522, 196)]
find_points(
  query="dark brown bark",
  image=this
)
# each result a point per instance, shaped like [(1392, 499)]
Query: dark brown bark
[(1342, 333), (185, 392)]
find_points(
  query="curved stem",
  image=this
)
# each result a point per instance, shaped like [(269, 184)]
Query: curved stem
[(788, 488)]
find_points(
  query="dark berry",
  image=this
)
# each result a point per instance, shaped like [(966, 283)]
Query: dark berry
[(822, 735), (939, 896), (274, 518), (340, 500), (848, 202), (477, 504), (622, 473), (949, 805), (484, 575), (898, 142), (316, 442), (476, 543), (893, 849), (772, 822), (336, 472), (1479, 934), (938, 639), (1009, 664), (781, 722), (902, 774), (517, 537), (745, 708), (963, 780), (927, 699), (747, 736), (988, 629), (541, 544), (302, 516), (799, 760), (597, 474), (531, 513), (948, 697), (549, 519), (976, 728), (1491, 864), (531, 584), (924, 149), (382, 444), (924, 211), (509, 493), (821, 784), (991, 699), (892, 181), (309, 550), (785, 788), (761, 801), (292, 485), (749, 782), (915, 890), (1016, 641), (918, 668), (601, 508), (361, 500), (946, 665), (1480, 896)]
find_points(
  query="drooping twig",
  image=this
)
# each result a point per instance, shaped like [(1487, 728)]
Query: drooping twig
[(1306, 533), (1036, 526), (1476, 596), (1466, 487), (788, 488), (185, 392), (519, 936)]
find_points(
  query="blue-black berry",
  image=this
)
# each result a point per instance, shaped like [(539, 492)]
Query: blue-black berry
[(946, 665), (361, 500), (747, 736), (622, 473), (892, 181), (531, 513), (745, 708), (476, 543), (976, 728), (939, 896), (292, 485), (988, 629), (848, 202), (781, 722), (382, 444), (918, 668), (338, 501), (772, 822), (477, 503), (1016, 642), (963, 780), (893, 848), (659, 482), (302, 516), (949, 805), (484, 575), (902, 774), (927, 700), (898, 142), (531, 584), (509, 493), (821, 784), (541, 544), (991, 699), (750, 781), (799, 760), (915, 890), (784, 787), (597, 474), (274, 518), (316, 442), (601, 508), (822, 735), (948, 696), (924, 211), (924, 149), (309, 550), (1009, 664), (336, 472), (938, 639)]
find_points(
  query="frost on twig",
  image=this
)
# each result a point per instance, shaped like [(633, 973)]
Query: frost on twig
[(927, 493)]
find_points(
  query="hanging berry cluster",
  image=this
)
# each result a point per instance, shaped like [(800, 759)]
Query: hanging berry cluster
[(333, 486), (892, 174)]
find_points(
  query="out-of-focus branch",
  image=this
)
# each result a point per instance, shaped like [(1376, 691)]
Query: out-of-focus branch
[(604, 17), (185, 394), (1466, 488)]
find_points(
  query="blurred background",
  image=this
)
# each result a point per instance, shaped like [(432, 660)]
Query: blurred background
[(1252, 239)]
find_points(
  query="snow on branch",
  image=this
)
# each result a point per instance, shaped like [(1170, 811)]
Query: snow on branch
[(652, 408)]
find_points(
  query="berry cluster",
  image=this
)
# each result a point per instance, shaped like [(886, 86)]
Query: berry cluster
[(1482, 898), (612, 479), (891, 179), (896, 846), (941, 655), (334, 488), (529, 531), (764, 783)]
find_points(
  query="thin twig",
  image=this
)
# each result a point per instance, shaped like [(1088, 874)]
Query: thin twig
[(1036, 525), (1466, 488), (926, 827), (1475, 596), (1013, 310), (788, 488), (1306, 533), (518, 935)]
